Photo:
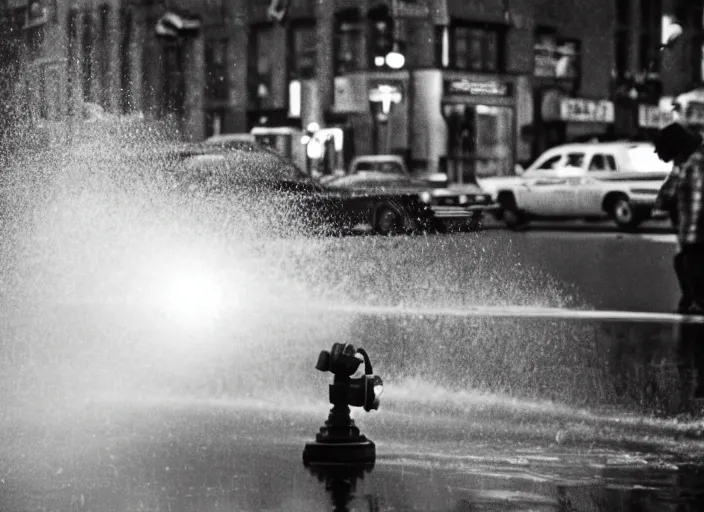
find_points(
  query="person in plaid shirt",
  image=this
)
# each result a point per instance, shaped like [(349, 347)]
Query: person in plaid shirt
[(682, 195)]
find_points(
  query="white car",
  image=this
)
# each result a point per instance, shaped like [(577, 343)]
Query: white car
[(617, 180)]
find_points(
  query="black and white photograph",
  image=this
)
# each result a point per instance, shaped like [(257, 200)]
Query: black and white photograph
[(351, 255)]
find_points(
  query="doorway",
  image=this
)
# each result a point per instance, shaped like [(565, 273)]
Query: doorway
[(480, 141)]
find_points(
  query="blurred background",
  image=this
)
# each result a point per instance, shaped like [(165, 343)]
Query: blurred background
[(487, 83)]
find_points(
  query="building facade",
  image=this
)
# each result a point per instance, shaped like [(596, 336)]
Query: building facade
[(182, 62), (485, 84), (646, 80)]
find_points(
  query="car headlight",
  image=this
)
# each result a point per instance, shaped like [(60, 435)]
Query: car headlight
[(462, 199), (426, 197)]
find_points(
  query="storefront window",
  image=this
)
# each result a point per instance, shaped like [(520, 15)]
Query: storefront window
[(479, 142)]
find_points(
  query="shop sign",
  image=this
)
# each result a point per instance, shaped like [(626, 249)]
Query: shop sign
[(586, 111), (651, 116), (386, 95), (694, 113), (478, 88), (406, 9)]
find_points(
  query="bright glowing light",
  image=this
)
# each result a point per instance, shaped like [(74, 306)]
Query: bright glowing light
[(670, 30), (395, 60), (425, 196), (192, 297), (379, 61), (314, 149), (188, 296), (294, 98)]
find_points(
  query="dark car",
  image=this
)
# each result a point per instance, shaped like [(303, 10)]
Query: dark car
[(433, 207), (273, 193)]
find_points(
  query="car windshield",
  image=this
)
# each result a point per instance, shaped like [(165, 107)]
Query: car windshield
[(644, 159), (392, 168)]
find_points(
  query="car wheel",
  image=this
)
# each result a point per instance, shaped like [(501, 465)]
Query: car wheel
[(388, 221), (623, 213), (476, 223), (512, 216)]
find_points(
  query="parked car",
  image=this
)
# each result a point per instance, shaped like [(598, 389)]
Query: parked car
[(387, 176), (251, 173), (617, 180)]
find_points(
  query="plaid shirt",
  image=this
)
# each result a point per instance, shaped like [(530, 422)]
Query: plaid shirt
[(683, 191)]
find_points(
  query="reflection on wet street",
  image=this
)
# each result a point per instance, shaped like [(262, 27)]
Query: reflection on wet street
[(159, 355), (230, 455)]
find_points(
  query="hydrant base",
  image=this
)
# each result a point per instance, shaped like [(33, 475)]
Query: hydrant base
[(339, 453)]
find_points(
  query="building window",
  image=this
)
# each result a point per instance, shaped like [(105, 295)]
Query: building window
[(349, 41), (623, 13), (621, 52), (86, 57), (697, 44), (173, 98), (651, 34), (622, 38), (72, 69), (105, 56), (216, 83), (476, 47), (260, 72), (302, 50), (125, 61), (557, 57)]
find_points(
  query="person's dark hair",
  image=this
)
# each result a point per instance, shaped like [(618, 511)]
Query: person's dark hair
[(675, 142)]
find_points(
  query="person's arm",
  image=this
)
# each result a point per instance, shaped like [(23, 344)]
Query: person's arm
[(666, 199)]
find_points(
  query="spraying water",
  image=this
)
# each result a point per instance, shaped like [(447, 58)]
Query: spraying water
[(117, 286)]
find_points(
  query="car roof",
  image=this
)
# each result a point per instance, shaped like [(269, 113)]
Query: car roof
[(581, 146), (378, 158)]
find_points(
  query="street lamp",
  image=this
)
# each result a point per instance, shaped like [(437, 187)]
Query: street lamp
[(339, 440), (395, 59)]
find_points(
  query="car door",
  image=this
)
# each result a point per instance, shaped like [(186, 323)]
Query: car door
[(590, 194), (552, 193), (532, 194), (566, 186)]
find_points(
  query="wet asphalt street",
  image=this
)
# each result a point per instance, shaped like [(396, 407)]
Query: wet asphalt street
[(606, 269), (441, 446)]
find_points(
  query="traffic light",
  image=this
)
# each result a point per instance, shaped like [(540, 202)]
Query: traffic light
[(381, 29)]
